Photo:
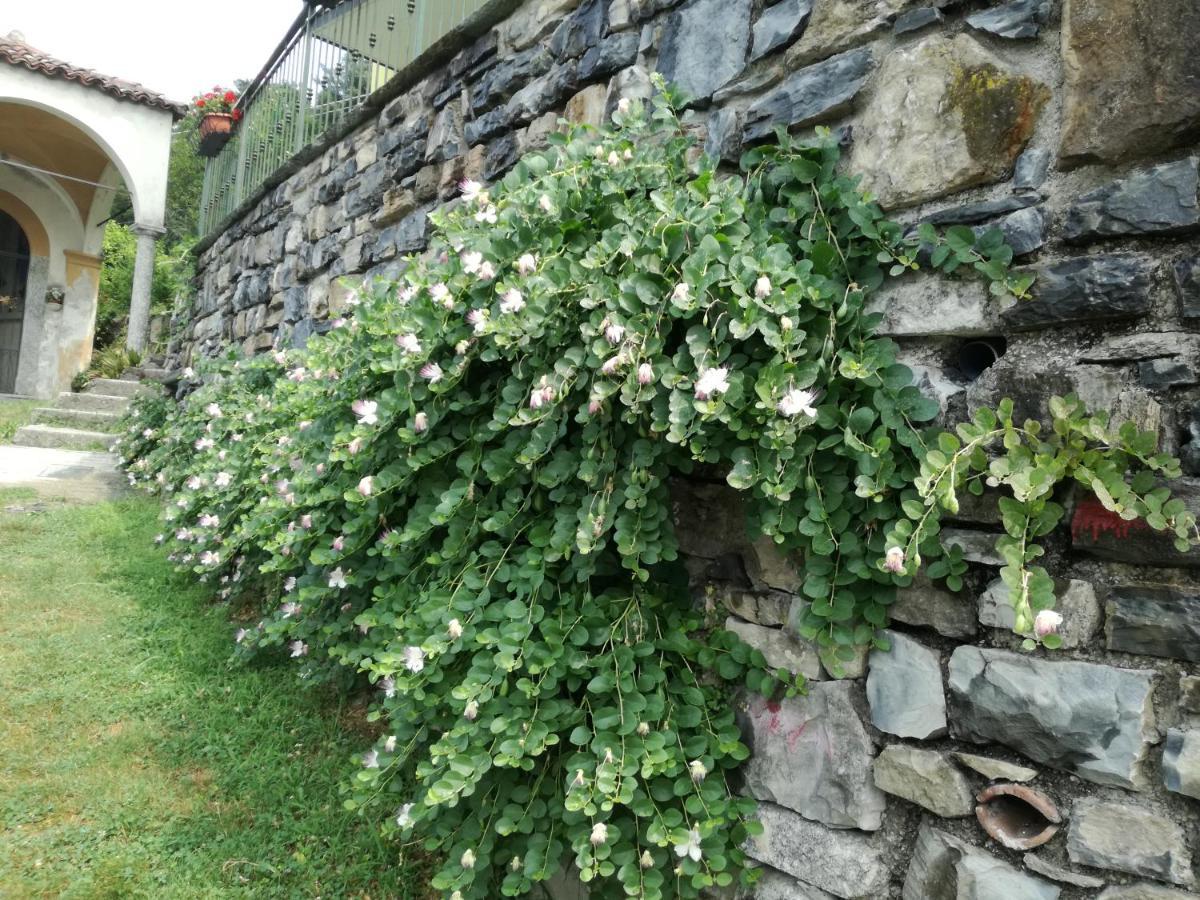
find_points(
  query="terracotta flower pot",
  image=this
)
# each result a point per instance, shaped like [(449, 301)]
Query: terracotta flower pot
[(215, 129)]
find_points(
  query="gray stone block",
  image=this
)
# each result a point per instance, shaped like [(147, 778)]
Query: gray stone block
[(916, 19), (1094, 720), (1185, 275), (973, 213), (704, 45), (1154, 621), (1024, 230), (775, 885), (904, 689), (1085, 291), (1129, 80), (781, 649), (1144, 891), (1105, 534), (580, 31), (1165, 374), (779, 25), (812, 755), (1021, 19), (846, 863), (1127, 838), (1159, 200), (811, 94), (1075, 600), (996, 769), (926, 778), (1181, 762), (612, 54), (1030, 171), (927, 605), (925, 304), (943, 867), (1060, 873)]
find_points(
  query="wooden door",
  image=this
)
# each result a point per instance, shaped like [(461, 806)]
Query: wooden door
[(14, 272)]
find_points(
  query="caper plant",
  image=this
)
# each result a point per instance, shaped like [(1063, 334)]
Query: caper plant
[(1120, 465), (461, 492)]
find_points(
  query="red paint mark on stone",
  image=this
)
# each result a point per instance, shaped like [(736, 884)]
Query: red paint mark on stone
[(1093, 522), (774, 705), (793, 736)]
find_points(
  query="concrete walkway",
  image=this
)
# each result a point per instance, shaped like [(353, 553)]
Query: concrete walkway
[(67, 474)]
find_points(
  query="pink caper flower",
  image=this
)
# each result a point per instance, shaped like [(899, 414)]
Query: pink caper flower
[(366, 411), (711, 382), (1046, 622), (431, 372), (893, 560), (645, 373), (420, 422), (366, 485)]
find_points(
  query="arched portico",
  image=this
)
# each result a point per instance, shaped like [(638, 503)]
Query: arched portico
[(70, 142)]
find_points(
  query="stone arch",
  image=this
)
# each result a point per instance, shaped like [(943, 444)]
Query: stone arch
[(134, 137), (35, 232)]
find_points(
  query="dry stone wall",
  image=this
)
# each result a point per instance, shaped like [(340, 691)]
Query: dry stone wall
[(1072, 126)]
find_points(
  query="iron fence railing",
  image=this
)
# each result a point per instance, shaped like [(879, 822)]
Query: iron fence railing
[(335, 55)]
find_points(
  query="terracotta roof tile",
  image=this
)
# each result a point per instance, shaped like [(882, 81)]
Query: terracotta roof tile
[(14, 51)]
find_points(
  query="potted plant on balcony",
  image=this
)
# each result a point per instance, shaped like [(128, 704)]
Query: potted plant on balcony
[(218, 114)]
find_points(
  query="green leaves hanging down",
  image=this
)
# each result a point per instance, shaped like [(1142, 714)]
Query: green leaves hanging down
[(459, 495)]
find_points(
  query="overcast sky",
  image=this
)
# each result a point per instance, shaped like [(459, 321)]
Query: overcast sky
[(173, 47)]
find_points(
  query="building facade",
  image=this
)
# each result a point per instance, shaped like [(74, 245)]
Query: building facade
[(71, 140)]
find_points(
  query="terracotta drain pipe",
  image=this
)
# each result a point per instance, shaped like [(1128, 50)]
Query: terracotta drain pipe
[(1017, 816)]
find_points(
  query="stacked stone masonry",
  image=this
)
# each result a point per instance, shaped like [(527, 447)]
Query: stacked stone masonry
[(1072, 125)]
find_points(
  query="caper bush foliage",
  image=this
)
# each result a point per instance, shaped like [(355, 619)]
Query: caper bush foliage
[(461, 492)]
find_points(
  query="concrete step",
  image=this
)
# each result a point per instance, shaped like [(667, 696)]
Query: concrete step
[(66, 438), (146, 373), (117, 387), (93, 419), (93, 402)]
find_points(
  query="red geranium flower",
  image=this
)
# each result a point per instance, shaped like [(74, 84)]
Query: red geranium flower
[(200, 103), (230, 96)]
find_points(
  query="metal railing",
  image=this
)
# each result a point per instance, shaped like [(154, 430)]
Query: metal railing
[(335, 55)]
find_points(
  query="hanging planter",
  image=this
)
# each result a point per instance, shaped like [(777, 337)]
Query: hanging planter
[(217, 119)]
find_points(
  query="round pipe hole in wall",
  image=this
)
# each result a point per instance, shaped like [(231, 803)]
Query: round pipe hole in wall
[(977, 355)]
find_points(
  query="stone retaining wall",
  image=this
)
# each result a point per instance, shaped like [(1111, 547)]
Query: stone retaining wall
[(1073, 126)]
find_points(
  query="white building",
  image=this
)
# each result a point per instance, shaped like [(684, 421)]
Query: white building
[(70, 140)]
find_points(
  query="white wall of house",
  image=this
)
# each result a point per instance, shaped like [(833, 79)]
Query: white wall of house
[(56, 340)]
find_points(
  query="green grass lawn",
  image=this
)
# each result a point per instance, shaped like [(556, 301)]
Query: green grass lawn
[(135, 759), (14, 414)]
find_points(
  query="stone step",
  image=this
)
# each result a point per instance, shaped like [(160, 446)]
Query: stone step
[(93, 402), (66, 438), (147, 373), (117, 387), (94, 419)]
